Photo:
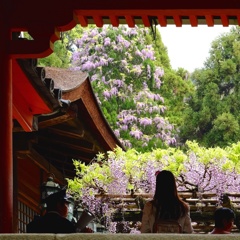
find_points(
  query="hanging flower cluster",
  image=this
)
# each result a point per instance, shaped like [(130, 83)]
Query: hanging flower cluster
[(126, 81)]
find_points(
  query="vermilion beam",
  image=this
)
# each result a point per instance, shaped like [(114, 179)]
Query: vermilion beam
[(130, 20), (114, 20), (146, 21), (23, 118), (193, 20), (6, 160), (177, 20), (82, 20), (162, 20), (224, 20), (210, 21), (98, 21)]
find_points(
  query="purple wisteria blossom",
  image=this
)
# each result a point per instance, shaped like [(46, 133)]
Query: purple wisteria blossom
[(118, 83), (148, 53), (136, 133), (107, 41), (116, 186), (88, 66), (126, 81), (145, 121), (106, 94)]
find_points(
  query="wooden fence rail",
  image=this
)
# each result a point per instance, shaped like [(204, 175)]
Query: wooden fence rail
[(202, 207)]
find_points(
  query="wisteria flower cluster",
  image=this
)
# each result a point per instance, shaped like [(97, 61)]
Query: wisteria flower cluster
[(127, 81)]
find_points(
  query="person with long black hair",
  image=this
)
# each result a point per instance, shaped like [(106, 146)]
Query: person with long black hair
[(166, 207)]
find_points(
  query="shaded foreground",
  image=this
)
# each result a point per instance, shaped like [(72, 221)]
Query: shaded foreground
[(89, 236)]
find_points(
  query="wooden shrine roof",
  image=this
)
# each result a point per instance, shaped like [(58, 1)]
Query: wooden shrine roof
[(75, 128)]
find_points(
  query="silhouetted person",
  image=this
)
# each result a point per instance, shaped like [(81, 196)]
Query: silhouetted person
[(224, 219), (166, 205), (54, 220)]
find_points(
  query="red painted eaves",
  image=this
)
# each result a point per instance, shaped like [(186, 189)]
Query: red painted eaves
[(26, 100)]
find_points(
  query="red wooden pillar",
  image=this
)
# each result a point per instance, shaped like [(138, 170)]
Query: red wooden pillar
[(6, 164)]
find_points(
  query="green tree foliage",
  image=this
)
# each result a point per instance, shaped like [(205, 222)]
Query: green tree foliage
[(176, 89), (59, 58), (212, 111), (176, 85), (63, 48), (225, 130)]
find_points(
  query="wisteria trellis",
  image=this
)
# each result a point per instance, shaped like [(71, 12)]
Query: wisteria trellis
[(211, 170)]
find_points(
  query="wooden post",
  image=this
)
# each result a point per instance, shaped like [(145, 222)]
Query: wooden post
[(6, 164)]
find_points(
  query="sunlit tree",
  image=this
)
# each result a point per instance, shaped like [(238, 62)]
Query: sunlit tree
[(127, 83), (212, 112)]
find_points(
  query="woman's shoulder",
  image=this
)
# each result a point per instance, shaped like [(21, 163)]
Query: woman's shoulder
[(149, 204), (184, 205)]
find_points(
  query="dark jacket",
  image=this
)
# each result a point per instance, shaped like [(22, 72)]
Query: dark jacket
[(51, 222)]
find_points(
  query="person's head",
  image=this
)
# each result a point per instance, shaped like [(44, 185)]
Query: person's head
[(166, 196), (58, 202), (165, 185), (224, 218)]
